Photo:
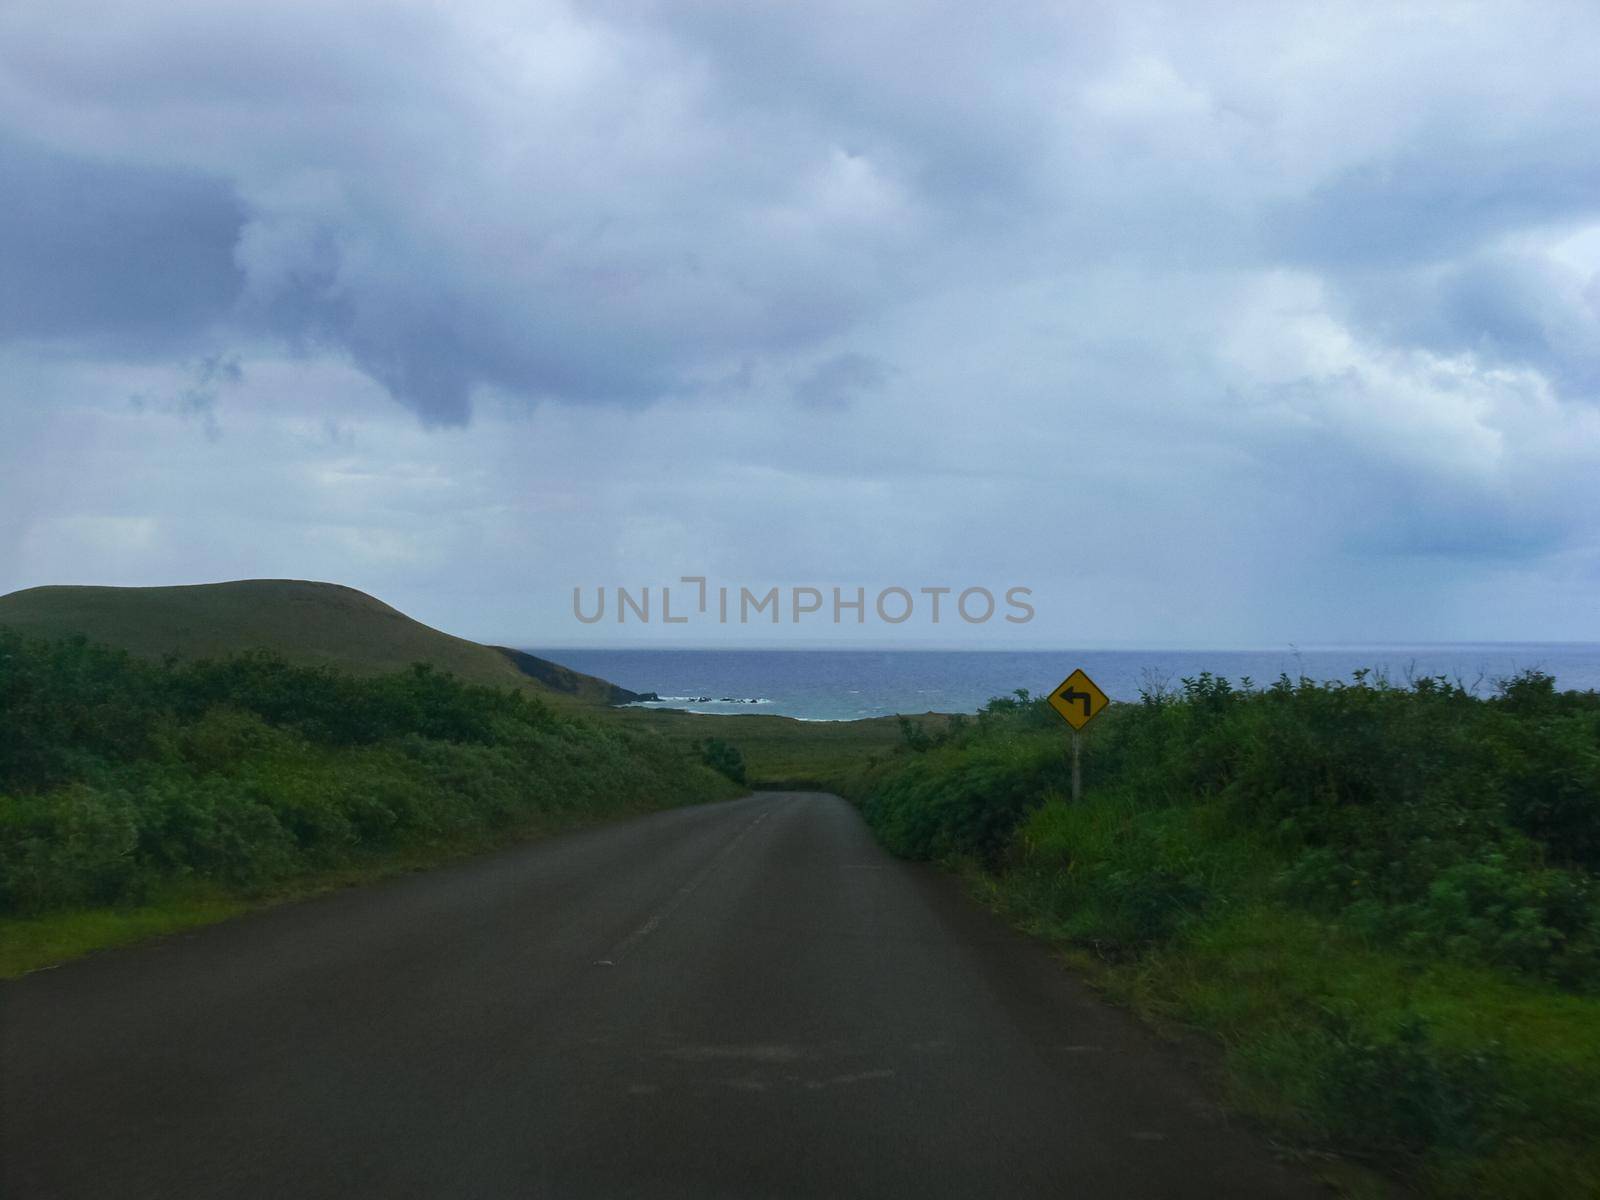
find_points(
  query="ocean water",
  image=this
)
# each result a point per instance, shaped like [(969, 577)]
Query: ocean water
[(842, 685)]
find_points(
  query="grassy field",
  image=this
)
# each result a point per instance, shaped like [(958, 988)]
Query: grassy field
[(783, 753)]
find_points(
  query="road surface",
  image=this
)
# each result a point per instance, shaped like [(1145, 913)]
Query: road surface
[(745, 1000)]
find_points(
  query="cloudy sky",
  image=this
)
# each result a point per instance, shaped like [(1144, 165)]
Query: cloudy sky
[(1228, 325)]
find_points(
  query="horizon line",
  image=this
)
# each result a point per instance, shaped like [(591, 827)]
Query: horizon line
[(1289, 648)]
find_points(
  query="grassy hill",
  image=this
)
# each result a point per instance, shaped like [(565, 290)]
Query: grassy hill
[(307, 623)]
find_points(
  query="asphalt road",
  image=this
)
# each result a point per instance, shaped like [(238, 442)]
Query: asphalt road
[(744, 1000)]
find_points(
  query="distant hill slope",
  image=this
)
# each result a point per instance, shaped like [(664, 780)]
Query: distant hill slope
[(305, 622)]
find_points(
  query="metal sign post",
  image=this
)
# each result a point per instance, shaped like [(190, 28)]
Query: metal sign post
[(1077, 772), (1079, 700)]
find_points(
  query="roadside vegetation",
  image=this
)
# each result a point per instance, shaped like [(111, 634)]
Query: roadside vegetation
[(1381, 901), (782, 753), (139, 796)]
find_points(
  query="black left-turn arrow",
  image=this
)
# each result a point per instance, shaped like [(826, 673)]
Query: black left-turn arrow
[(1072, 694)]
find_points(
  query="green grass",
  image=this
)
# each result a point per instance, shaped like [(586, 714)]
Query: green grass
[(308, 623), (32, 943), (781, 752), (1268, 985), (1499, 1098)]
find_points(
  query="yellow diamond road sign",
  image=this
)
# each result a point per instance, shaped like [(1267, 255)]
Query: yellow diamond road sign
[(1078, 699)]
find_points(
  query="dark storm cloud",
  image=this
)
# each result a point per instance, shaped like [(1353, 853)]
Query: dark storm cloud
[(618, 203), (565, 216), (101, 253)]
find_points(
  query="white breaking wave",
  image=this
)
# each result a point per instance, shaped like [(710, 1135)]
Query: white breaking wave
[(701, 700)]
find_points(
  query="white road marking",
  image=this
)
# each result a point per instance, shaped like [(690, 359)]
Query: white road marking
[(617, 952)]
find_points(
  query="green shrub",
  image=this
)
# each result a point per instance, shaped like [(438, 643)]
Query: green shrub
[(1551, 767), (71, 846), (1238, 849), (1422, 814), (720, 756), (117, 776), (1404, 1093), (964, 798)]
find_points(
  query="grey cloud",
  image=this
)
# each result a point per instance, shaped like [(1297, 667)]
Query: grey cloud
[(1211, 264), (1440, 195), (515, 232), (917, 84), (841, 380), (641, 196), (1379, 500), (103, 253), (1411, 514), (1521, 309), (197, 396), (1503, 306)]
